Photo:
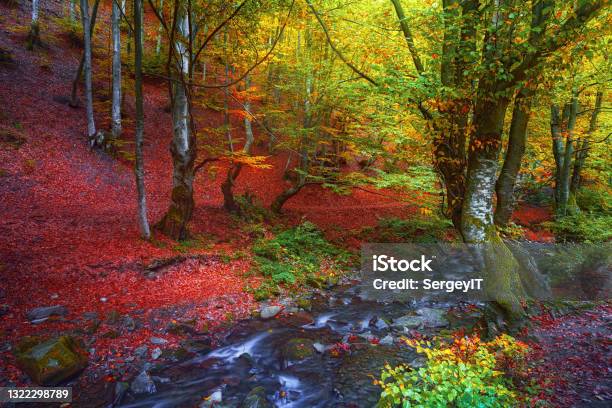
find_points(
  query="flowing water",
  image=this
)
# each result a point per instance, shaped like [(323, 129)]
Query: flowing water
[(259, 353)]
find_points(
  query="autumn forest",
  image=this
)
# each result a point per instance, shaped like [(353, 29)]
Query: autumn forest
[(192, 193)]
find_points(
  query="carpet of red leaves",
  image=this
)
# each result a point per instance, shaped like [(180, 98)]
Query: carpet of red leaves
[(68, 231), (574, 361)]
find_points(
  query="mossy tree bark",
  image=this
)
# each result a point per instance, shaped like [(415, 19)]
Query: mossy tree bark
[(562, 126), (34, 34), (77, 78), (502, 280), (183, 144)]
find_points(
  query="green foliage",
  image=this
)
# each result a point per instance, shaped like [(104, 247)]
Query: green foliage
[(463, 374), (419, 228), (512, 231), (583, 227), (297, 254), (594, 200)]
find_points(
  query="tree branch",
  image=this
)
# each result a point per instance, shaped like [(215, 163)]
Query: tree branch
[(336, 50)]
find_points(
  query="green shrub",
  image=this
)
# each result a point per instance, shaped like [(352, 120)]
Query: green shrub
[(594, 200), (463, 374), (583, 227), (420, 229), (296, 255)]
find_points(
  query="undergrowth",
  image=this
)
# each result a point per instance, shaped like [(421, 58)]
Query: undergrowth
[(419, 228), (464, 373), (297, 256)]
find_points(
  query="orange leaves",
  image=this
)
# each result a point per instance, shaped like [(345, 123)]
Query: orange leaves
[(258, 162)]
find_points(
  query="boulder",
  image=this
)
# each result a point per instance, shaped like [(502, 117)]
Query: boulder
[(158, 340), (433, 317), (156, 353), (269, 312), (297, 349), (143, 384), (426, 317), (387, 340), (408, 322), (52, 361)]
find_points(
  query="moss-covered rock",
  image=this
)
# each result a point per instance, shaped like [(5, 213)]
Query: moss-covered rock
[(52, 361), (256, 398), (297, 349)]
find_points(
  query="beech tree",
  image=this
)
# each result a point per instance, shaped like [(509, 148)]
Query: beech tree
[(87, 34), (490, 50), (143, 221), (116, 92)]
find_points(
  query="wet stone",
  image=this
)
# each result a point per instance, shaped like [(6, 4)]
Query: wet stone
[(40, 313)]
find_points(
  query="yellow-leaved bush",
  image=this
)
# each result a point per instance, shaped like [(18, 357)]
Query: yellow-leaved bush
[(464, 373)]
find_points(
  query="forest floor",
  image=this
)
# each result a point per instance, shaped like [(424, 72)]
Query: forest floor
[(68, 228)]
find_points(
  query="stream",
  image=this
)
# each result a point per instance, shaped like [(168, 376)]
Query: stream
[(291, 360), (330, 355)]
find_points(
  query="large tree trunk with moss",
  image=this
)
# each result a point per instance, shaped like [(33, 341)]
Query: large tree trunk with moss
[(116, 100), (143, 221), (183, 144), (517, 138), (502, 279), (87, 34), (449, 160)]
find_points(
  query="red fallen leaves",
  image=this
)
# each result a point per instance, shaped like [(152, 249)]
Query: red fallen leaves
[(68, 230), (571, 359), (339, 349)]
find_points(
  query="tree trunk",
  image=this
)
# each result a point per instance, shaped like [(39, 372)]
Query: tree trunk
[(506, 182), (449, 159), (91, 125), (583, 151), (502, 279), (72, 10), (75, 83), (183, 144), (556, 126), (160, 30), (143, 221), (281, 199), (565, 205), (116, 33), (34, 34), (229, 201)]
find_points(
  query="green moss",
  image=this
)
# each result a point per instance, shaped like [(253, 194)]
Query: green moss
[(52, 361), (298, 349)]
